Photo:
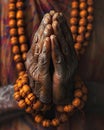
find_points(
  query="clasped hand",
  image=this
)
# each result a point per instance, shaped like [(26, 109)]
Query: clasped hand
[(51, 61)]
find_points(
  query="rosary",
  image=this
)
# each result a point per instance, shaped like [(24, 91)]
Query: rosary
[(49, 32)]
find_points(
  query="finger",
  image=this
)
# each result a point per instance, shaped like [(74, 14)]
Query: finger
[(44, 57), (57, 56), (56, 16), (62, 41), (52, 12)]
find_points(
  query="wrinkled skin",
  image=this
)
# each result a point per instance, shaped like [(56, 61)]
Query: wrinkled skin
[(52, 47)]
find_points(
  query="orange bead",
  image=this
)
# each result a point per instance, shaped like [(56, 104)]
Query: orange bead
[(22, 73), (19, 84), (20, 14), (13, 31), (16, 87), (78, 93), (14, 40), (90, 2), (83, 5), (22, 104), (19, 5), (90, 10), (89, 27), (80, 38), (77, 46), (73, 21), (17, 96), (73, 29), (37, 105), (24, 56), (74, 37), (74, 4), (26, 89), (55, 122), (87, 35), (83, 13), (15, 49), (12, 14), (20, 66), (90, 18), (68, 108), (46, 107), (81, 29), (17, 58), (74, 13), (38, 118), (20, 23), (24, 48), (31, 96), (28, 109), (46, 123), (28, 102), (82, 22), (21, 31), (12, 6), (22, 39), (60, 108), (76, 102)]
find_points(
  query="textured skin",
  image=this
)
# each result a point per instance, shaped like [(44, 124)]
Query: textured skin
[(52, 61)]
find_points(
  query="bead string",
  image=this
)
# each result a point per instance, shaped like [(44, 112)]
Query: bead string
[(23, 93)]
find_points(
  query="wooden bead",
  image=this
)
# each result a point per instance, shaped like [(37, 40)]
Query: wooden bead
[(19, 5), (46, 123), (83, 5), (68, 108), (28, 109), (84, 89), (87, 35), (26, 89), (77, 46), (22, 39), (12, 23), (15, 49), (73, 21), (63, 118), (55, 122), (20, 23), (24, 56), (21, 31), (90, 2), (17, 58), (13, 31), (24, 48), (74, 13), (74, 4), (60, 108), (14, 40), (38, 118), (16, 87), (20, 14), (19, 84), (76, 102), (12, 14), (82, 22), (84, 98), (22, 93), (17, 96), (12, 6), (80, 38), (90, 10), (31, 96), (73, 29), (83, 13), (81, 29), (90, 18), (25, 81), (37, 105), (28, 102), (78, 93), (89, 27), (20, 66), (22, 104)]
